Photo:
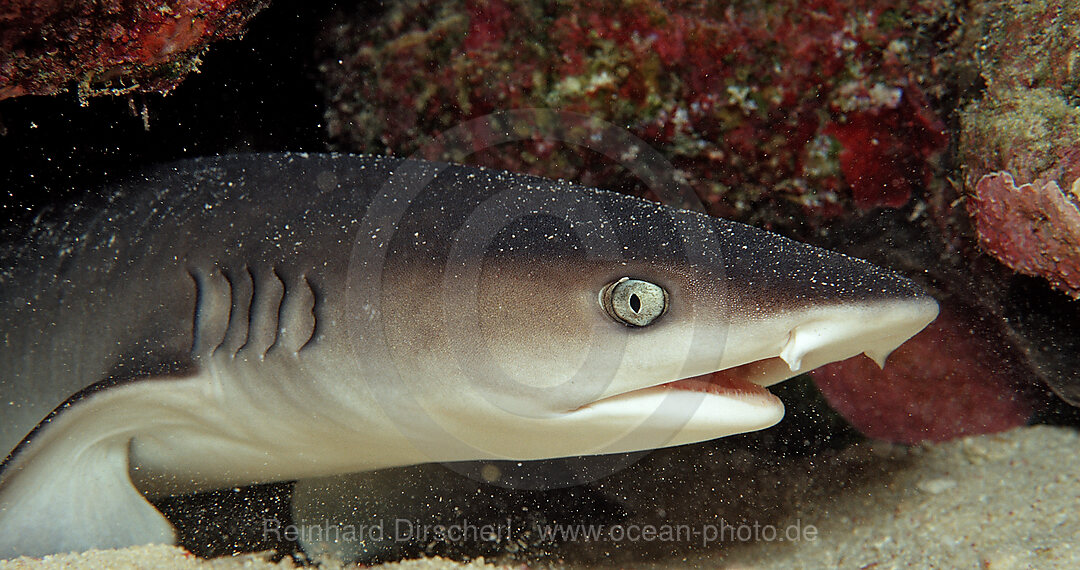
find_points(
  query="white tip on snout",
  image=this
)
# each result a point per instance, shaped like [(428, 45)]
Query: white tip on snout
[(836, 333)]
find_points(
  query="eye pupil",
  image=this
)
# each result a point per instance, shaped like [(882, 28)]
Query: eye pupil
[(633, 302)]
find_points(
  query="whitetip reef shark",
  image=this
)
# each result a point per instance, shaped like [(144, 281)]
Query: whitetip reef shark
[(254, 318)]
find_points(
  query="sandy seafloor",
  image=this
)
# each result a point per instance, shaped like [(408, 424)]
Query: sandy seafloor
[(1010, 500)]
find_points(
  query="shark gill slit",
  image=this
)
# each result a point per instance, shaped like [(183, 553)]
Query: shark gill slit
[(280, 324), (197, 324), (278, 290), (296, 317), (246, 323), (229, 292), (316, 312), (212, 310), (240, 293), (255, 314), (228, 320)]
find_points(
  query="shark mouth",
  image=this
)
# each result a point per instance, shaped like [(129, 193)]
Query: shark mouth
[(747, 380), (707, 406), (745, 383)]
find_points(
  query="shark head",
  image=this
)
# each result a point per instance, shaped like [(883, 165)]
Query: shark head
[(540, 320)]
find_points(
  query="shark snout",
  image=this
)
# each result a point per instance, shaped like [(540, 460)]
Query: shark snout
[(874, 328)]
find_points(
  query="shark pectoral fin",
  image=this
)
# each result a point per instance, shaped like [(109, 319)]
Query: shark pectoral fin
[(68, 486), (73, 497)]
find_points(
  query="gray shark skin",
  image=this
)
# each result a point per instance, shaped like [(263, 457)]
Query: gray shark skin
[(257, 318)]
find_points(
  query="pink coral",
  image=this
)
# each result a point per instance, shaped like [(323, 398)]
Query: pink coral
[(1033, 228), (1024, 122)]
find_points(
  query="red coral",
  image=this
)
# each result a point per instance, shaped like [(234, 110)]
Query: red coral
[(1033, 228), (948, 381), (148, 45), (886, 150), (488, 22), (766, 107)]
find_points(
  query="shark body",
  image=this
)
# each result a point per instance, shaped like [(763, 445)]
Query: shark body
[(257, 318)]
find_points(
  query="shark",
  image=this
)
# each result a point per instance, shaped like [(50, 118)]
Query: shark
[(253, 318)]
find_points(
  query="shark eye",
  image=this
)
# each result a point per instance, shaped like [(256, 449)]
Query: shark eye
[(633, 302)]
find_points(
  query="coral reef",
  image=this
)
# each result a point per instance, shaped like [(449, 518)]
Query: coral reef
[(781, 113), (951, 380), (1020, 137), (110, 47), (1033, 228)]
